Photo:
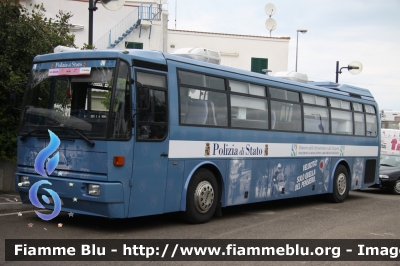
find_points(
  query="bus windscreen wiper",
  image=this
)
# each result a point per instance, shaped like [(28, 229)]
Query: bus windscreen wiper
[(88, 141), (23, 138)]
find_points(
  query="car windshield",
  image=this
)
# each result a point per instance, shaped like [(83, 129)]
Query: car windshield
[(390, 160), (71, 95)]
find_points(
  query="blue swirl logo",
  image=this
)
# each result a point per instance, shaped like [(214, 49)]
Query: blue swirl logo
[(51, 164), (46, 153)]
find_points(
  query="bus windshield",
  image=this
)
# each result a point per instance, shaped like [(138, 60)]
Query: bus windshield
[(70, 95)]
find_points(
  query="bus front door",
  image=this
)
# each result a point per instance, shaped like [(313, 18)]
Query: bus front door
[(149, 178), (151, 147)]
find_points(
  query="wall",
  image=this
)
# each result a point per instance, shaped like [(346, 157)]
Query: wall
[(151, 37), (236, 50), (7, 171), (103, 19)]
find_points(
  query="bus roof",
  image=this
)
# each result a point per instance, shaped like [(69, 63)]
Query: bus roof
[(145, 55), (344, 88), (160, 58)]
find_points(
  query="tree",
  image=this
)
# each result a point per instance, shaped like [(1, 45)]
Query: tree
[(24, 34)]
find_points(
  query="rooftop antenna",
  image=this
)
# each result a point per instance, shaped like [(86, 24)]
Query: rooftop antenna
[(176, 10), (270, 24)]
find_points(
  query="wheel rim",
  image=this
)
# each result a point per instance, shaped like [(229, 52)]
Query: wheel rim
[(341, 184), (203, 196), (397, 187)]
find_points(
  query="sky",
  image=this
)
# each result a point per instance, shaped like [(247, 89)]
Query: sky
[(337, 30)]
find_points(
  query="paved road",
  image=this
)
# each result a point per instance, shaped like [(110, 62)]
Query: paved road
[(369, 214)]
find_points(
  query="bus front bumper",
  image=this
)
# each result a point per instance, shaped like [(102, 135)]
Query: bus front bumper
[(74, 195)]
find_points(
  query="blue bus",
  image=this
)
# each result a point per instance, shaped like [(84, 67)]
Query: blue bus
[(145, 133)]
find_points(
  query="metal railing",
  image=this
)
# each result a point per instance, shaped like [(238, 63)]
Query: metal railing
[(149, 12), (127, 25)]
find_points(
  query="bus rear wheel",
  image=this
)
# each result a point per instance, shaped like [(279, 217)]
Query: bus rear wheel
[(340, 185), (202, 197)]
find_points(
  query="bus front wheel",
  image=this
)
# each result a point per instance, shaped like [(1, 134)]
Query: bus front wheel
[(340, 185), (202, 197)]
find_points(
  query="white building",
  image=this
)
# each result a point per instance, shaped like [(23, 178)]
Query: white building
[(144, 25)]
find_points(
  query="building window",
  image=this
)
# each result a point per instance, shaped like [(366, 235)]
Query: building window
[(134, 45), (258, 64)]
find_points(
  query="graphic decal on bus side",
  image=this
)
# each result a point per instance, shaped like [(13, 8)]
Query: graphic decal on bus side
[(308, 176), (294, 150), (218, 149), (252, 180), (324, 167), (241, 176), (207, 150), (318, 150), (357, 173), (283, 177)]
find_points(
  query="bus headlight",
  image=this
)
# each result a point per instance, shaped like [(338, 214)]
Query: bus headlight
[(384, 176), (24, 181), (94, 190)]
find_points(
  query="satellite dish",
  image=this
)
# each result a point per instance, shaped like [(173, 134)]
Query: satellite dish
[(270, 9), (270, 24), (113, 5), (355, 67)]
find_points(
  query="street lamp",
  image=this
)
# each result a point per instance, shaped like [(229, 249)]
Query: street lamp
[(111, 5), (297, 42), (92, 7), (354, 68)]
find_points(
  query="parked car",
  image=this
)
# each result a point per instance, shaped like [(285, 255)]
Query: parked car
[(389, 173)]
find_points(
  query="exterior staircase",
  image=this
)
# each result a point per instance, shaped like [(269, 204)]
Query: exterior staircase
[(127, 25)]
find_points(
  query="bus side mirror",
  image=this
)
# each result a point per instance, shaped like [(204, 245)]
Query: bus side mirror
[(16, 92), (143, 97)]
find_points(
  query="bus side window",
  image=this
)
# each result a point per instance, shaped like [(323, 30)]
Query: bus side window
[(371, 125), (197, 112), (152, 122), (316, 119), (121, 125), (344, 122), (199, 107), (359, 124), (184, 105), (288, 116), (249, 112)]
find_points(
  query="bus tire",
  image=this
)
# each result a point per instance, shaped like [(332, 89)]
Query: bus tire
[(202, 197), (341, 185)]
